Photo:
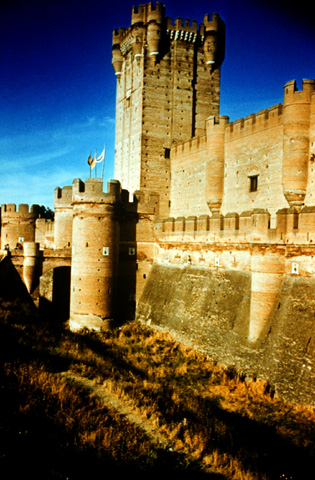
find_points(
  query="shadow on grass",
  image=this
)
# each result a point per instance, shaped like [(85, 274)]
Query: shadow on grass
[(256, 445), (37, 445), (34, 440)]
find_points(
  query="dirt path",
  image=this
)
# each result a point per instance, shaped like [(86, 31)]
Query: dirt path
[(113, 402)]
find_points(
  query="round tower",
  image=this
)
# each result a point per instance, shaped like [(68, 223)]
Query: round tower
[(215, 163), (18, 225), (63, 217), (296, 125), (30, 267), (95, 251)]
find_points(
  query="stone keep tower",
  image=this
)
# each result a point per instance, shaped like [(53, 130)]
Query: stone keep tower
[(95, 253), (168, 84)]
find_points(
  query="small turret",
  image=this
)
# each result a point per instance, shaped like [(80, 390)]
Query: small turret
[(215, 163), (138, 41), (155, 18), (214, 43), (30, 265), (296, 128), (117, 58)]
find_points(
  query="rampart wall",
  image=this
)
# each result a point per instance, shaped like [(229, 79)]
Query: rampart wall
[(209, 308), (264, 160)]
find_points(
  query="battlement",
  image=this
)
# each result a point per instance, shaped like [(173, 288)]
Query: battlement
[(152, 17), (293, 95), (181, 30), (256, 122), (184, 30), (217, 124), (146, 13), (91, 191), (214, 24), (251, 226), (192, 146), (143, 202), (63, 196), (10, 209)]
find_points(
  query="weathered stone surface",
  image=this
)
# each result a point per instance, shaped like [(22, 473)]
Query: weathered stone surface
[(211, 310)]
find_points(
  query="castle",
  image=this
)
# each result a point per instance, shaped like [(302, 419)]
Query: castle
[(209, 226)]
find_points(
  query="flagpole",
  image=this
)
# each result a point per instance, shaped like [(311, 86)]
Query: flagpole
[(103, 162), (89, 162)]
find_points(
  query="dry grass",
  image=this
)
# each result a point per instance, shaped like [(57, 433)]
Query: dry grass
[(216, 425)]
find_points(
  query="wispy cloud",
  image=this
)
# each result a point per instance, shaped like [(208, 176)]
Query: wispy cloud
[(32, 165)]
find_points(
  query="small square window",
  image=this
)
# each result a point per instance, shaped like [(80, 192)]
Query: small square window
[(253, 186)]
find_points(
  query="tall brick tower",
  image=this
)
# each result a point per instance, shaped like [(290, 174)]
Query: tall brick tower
[(95, 246), (168, 84)]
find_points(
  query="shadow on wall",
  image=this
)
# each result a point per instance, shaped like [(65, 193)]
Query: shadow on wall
[(127, 268), (54, 294), (12, 287)]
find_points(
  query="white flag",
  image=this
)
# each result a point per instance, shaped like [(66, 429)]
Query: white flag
[(101, 157)]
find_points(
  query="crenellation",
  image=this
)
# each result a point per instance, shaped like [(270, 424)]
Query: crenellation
[(63, 196), (252, 226), (203, 223), (11, 209), (255, 122), (179, 25), (179, 224)]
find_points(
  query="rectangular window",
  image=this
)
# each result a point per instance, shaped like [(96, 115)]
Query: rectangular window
[(167, 153), (253, 186)]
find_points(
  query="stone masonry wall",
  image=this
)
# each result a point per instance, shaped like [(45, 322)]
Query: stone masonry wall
[(253, 146), (189, 175), (210, 309)]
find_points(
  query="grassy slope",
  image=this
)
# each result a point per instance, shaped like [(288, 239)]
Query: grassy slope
[(216, 425)]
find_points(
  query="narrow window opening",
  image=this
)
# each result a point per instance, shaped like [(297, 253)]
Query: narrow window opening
[(253, 183), (167, 153)]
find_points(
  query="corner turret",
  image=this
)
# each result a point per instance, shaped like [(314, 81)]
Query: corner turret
[(296, 129), (215, 163), (214, 43)]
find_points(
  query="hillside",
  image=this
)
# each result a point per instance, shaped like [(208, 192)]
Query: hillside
[(134, 401)]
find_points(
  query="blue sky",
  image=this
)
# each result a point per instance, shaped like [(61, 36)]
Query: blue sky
[(57, 84)]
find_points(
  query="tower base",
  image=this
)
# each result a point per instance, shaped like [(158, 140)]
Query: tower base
[(89, 321)]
